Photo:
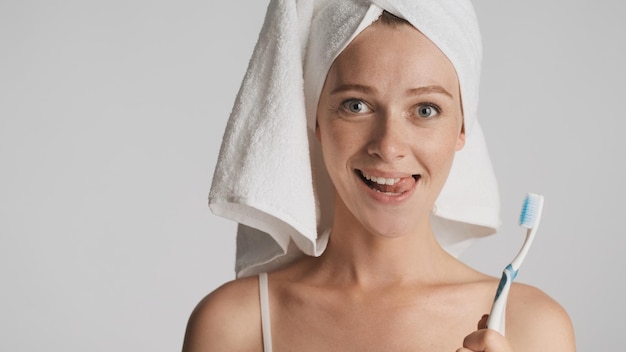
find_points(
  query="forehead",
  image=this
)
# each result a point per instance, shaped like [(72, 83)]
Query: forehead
[(399, 53)]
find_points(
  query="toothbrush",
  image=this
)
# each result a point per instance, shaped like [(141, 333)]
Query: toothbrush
[(529, 218)]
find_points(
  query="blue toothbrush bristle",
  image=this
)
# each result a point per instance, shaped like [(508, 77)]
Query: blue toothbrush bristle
[(528, 215)]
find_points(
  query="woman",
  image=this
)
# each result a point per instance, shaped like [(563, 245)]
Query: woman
[(392, 114)]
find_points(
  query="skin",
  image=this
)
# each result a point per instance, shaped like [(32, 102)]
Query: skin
[(384, 283)]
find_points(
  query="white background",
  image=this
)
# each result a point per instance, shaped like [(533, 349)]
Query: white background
[(111, 115)]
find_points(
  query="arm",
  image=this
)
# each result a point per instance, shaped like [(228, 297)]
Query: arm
[(228, 319)]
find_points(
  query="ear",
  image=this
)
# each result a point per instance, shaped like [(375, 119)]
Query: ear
[(460, 142), (317, 131)]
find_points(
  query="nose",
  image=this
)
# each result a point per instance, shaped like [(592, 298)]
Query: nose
[(388, 138)]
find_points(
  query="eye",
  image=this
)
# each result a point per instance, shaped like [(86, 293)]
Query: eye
[(427, 110), (355, 106)]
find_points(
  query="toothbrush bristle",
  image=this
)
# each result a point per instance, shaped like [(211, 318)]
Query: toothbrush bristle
[(528, 216)]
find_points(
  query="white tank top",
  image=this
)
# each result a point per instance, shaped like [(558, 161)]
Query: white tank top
[(266, 327)]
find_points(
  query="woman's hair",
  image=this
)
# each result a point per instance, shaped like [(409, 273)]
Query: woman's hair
[(390, 19)]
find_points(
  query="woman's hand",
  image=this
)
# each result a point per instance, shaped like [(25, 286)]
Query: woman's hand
[(485, 340)]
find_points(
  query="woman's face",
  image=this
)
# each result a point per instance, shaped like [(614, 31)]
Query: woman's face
[(389, 122)]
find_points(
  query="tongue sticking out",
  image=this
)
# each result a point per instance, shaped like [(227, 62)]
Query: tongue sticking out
[(400, 187)]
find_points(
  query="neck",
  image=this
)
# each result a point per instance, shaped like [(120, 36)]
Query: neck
[(362, 257)]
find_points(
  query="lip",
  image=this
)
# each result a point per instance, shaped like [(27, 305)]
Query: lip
[(387, 198)]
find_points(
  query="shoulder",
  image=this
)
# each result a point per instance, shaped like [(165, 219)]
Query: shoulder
[(537, 321), (227, 319)]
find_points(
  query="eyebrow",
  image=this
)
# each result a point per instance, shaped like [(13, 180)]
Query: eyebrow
[(429, 89), (414, 91), (357, 87)]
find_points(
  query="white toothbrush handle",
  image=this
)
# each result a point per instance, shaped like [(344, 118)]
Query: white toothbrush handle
[(498, 310), (496, 317), (531, 214)]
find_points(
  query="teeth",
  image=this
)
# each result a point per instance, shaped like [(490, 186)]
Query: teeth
[(381, 180)]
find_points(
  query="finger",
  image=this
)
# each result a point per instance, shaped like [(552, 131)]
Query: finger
[(485, 340), (475, 341), (482, 323)]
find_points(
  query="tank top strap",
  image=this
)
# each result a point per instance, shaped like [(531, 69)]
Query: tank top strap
[(266, 327)]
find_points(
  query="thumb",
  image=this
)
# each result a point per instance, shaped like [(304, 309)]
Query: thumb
[(482, 323)]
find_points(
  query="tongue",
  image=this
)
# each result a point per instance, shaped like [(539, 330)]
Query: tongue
[(402, 186)]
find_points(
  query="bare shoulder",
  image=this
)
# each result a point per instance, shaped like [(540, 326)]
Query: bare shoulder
[(537, 322), (227, 319)]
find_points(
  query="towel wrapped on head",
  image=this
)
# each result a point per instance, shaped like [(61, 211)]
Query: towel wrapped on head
[(270, 176)]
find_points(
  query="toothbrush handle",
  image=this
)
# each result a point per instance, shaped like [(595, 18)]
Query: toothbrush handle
[(498, 310)]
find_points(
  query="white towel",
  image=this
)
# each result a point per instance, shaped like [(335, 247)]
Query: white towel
[(270, 176)]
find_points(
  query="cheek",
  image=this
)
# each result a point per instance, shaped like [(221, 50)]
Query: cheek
[(340, 145), (334, 145), (441, 150), (336, 135)]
